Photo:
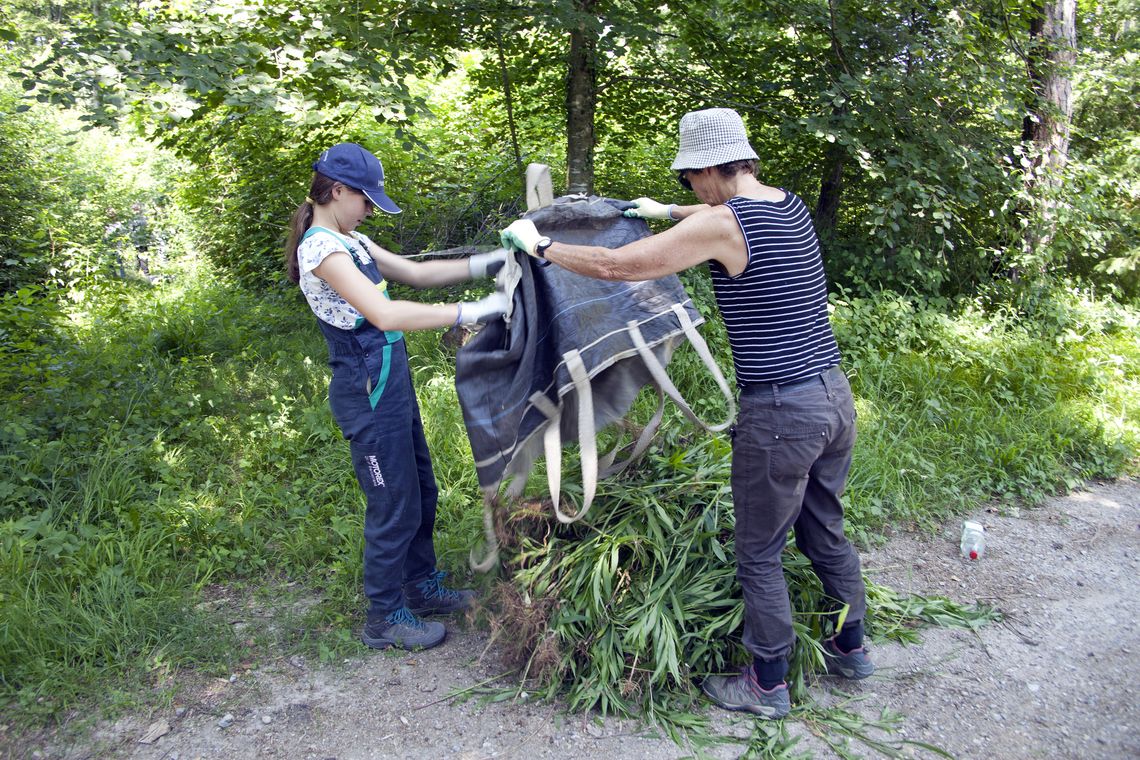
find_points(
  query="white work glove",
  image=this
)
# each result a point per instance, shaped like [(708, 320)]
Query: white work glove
[(523, 236), (487, 264), (647, 208), (483, 310)]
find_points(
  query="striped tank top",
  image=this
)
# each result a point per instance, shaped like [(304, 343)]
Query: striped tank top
[(775, 311)]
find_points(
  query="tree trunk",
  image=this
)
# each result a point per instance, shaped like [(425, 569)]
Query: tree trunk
[(581, 99), (831, 185), (830, 189), (509, 100), (1052, 53)]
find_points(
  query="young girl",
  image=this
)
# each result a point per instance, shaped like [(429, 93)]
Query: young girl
[(342, 274)]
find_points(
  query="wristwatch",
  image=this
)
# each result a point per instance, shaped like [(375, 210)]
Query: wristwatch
[(541, 246)]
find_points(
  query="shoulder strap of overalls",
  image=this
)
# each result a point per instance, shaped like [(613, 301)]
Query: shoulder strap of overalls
[(343, 241), (391, 335)]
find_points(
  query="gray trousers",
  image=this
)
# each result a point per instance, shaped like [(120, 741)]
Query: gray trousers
[(791, 452)]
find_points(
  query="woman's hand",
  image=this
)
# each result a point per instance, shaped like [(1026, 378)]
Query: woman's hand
[(647, 208)]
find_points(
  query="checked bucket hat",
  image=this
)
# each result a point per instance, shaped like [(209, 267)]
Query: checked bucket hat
[(711, 137)]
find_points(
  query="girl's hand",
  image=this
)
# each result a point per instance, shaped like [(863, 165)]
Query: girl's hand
[(487, 264), (483, 310)]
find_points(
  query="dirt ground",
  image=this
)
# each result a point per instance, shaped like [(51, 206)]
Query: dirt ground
[(1057, 679)]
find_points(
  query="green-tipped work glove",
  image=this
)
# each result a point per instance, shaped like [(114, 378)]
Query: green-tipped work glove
[(647, 208), (485, 309), (487, 264), (523, 236)]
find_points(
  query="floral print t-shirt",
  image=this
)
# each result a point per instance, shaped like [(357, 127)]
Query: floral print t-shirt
[(325, 302)]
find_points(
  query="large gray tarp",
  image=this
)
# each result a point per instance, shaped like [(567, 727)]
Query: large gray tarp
[(573, 354)]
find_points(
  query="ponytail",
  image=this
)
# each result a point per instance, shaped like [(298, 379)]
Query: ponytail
[(298, 226), (320, 193)]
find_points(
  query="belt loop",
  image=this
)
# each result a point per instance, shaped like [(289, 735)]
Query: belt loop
[(827, 384), (776, 394)]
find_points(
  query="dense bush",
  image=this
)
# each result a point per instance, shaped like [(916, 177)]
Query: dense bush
[(69, 199), (24, 248), (449, 173)]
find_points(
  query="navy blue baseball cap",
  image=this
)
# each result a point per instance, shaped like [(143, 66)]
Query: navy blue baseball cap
[(355, 167)]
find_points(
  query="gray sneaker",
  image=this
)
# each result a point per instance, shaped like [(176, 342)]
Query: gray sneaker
[(854, 664), (742, 692), (402, 629), (431, 597)]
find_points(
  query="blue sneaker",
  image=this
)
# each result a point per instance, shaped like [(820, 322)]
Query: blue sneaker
[(743, 693), (431, 597), (854, 664), (404, 630)]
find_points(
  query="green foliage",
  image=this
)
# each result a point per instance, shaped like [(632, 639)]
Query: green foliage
[(958, 407), (249, 174), (189, 417), (902, 122), (24, 248), (267, 89), (85, 603), (66, 202), (635, 605), (894, 105), (170, 65), (252, 171), (161, 441), (915, 112), (1095, 209)]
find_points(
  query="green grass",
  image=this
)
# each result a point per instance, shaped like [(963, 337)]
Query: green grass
[(165, 439), (964, 408), (159, 443)]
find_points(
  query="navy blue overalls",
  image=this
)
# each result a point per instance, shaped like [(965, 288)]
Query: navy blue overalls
[(374, 403)]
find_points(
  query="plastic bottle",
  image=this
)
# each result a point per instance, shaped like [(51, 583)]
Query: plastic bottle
[(973, 540)]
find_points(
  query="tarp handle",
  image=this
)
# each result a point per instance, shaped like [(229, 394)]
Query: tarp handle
[(587, 438), (661, 377), (587, 441), (587, 435), (492, 558)]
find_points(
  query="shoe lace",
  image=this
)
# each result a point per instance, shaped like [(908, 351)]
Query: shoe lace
[(433, 587), (404, 616)]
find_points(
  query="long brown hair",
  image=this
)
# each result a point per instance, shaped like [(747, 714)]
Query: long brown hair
[(320, 193)]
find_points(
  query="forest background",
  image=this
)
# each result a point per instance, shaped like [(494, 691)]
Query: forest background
[(164, 429)]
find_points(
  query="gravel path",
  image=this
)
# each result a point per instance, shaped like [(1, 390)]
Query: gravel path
[(1057, 679)]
